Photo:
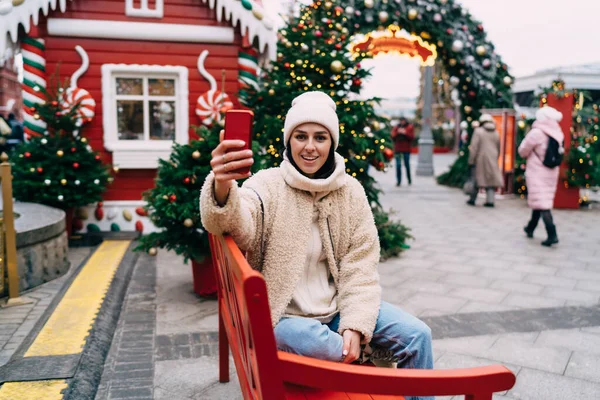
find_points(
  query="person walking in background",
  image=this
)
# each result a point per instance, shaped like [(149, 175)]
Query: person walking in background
[(403, 134), (483, 160), (17, 136), (543, 149)]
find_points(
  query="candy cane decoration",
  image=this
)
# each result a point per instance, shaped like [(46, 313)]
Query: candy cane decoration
[(75, 95), (34, 80), (213, 103), (247, 72)]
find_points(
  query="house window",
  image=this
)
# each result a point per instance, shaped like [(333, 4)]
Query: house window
[(145, 110), (144, 8)]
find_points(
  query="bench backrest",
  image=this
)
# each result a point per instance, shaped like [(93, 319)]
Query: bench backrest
[(244, 309)]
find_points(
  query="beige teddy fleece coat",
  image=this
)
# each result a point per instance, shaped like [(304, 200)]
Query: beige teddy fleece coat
[(346, 227)]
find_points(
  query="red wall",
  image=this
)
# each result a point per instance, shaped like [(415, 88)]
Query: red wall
[(129, 184)]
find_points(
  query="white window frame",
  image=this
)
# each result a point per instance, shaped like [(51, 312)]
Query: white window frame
[(144, 10), (142, 154)]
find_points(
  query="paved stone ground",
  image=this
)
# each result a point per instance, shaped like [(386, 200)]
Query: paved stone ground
[(490, 295), (17, 322)]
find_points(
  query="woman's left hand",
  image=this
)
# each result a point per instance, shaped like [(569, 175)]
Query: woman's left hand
[(351, 349)]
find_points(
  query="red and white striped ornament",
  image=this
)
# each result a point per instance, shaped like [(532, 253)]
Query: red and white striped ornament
[(211, 106), (87, 104)]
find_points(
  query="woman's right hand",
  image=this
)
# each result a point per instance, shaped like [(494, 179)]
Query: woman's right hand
[(225, 161)]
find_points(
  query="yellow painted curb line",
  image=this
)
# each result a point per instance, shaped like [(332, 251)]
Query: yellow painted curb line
[(68, 328)]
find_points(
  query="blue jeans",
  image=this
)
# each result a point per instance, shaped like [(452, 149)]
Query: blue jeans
[(407, 336), (406, 157)]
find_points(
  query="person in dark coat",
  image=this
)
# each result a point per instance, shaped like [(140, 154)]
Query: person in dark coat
[(17, 135), (403, 134)]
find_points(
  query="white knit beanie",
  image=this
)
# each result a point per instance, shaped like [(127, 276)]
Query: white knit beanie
[(316, 107), (548, 113)]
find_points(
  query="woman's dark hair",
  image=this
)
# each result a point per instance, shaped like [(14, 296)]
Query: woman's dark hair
[(324, 172)]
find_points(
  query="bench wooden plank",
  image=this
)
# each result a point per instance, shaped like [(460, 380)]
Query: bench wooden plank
[(266, 373)]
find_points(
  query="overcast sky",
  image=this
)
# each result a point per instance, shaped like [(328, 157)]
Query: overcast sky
[(528, 34)]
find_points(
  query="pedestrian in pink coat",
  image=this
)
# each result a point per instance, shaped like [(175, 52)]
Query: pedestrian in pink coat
[(541, 180)]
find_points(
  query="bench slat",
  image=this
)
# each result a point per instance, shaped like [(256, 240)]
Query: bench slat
[(266, 373)]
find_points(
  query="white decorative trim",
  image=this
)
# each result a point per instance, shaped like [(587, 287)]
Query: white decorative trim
[(152, 31), (234, 12), (129, 154), (30, 10), (144, 10)]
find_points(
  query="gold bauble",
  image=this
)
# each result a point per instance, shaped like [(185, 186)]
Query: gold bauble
[(383, 16), (412, 13), (196, 154), (369, 3), (337, 66), (127, 215), (507, 80), (376, 125), (328, 5), (299, 62), (480, 50), (468, 109), (60, 153), (63, 181), (452, 62), (288, 44), (258, 14), (17, 2), (152, 251), (83, 140), (521, 124), (271, 92), (188, 223)]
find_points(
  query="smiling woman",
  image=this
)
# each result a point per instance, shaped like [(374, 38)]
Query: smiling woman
[(310, 149)]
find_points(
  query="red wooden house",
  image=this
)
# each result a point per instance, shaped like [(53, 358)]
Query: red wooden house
[(140, 62)]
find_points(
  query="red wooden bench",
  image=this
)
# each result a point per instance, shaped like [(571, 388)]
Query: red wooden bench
[(266, 373)]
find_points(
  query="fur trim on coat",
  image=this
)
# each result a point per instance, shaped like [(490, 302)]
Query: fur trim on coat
[(347, 230)]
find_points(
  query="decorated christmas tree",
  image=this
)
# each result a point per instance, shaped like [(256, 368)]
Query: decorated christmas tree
[(313, 54), (58, 167)]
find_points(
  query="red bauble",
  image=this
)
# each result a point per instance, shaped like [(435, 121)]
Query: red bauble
[(449, 31), (356, 82), (358, 66), (318, 33), (75, 165), (172, 198), (480, 27), (99, 213), (388, 153), (40, 169), (139, 226), (73, 149), (141, 211), (187, 181), (57, 114), (97, 158), (54, 103), (27, 154), (338, 46), (301, 26), (287, 65), (472, 93)]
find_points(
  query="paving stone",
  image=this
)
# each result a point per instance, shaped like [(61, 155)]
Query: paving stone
[(535, 269), (136, 393), (483, 295), (477, 306), (457, 268), (580, 274), (508, 350), (592, 329), (504, 274), (533, 385), (467, 280), (426, 301), (573, 339), (589, 286), (471, 345), (551, 281), (584, 366), (489, 263), (567, 294), (529, 301), (421, 285), (519, 287)]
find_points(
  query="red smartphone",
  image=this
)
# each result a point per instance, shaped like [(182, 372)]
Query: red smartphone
[(238, 126)]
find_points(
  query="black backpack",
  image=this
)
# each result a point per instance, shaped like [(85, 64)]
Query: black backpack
[(554, 153)]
